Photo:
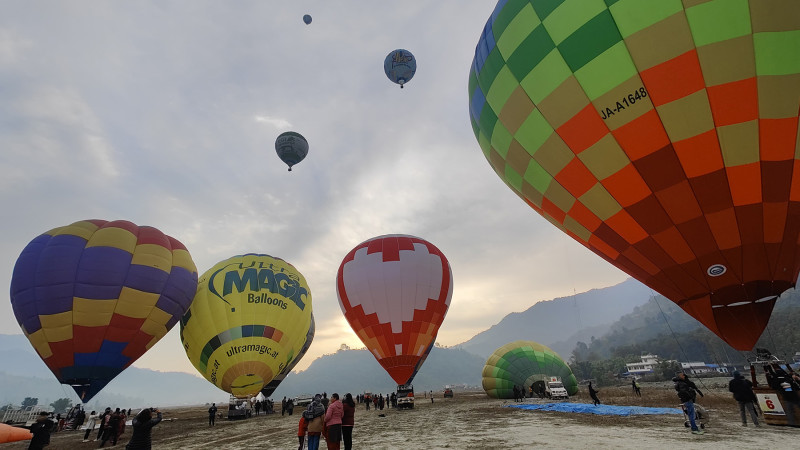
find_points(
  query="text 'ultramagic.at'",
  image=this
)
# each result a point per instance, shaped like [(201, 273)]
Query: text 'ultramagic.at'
[(264, 278)]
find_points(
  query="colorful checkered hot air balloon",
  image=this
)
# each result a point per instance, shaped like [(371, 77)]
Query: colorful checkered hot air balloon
[(94, 296), (394, 291), (662, 135), (250, 319)]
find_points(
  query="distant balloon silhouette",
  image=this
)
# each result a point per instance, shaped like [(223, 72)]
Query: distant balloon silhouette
[(662, 139), (291, 148), (400, 66), (394, 291), (93, 296), (307, 19)]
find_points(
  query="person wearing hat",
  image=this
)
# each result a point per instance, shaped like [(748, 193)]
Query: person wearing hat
[(315, 419), (41, 431), (687, 393), (742, 389)]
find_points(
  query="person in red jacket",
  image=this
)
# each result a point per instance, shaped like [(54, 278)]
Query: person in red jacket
[(333, 422), (348, 420), (302, 428)]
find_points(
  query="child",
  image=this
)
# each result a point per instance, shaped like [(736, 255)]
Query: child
[(301, 432)]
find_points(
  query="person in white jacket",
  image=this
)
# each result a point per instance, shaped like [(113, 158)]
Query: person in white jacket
[(90, 425)]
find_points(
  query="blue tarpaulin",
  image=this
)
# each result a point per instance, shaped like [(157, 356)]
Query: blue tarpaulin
[(603, 410)]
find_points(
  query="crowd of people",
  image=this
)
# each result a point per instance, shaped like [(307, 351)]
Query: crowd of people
[(110, 426), (330, 419)]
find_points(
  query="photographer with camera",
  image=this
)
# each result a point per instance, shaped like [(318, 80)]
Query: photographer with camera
[(143, 424)]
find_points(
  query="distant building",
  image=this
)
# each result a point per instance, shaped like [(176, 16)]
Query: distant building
[(638, 369), (697, 367)]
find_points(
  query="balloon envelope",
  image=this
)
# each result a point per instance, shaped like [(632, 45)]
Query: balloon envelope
[(93, 296), (267, 390), (662, 139), (291, 148), (13, 434), (307, 19), (394, 291), (523, 363), (400, 66), (248, 321)]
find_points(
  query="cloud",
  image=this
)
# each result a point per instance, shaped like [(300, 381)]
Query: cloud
[(276, 122)]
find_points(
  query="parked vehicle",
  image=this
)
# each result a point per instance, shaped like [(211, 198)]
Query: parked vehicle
[(405, 396)]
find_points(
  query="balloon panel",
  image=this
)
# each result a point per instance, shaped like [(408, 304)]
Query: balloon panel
[(394, 291), (273, 385), (93, 296), (400, 66), (661, 138), (249, 319), (9, 433), (521, 363)]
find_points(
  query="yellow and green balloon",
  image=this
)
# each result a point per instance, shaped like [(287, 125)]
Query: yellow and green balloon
[(523, 363), (249, 320)]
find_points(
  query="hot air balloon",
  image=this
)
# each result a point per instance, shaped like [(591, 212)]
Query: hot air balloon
[(248, 322), (272, 385), (394, 291), (400, 66), (93, 296), (13, 434), (524, 364), (307, 19), (291, 147), (664, 139)]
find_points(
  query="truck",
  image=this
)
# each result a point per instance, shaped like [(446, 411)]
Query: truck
[(555, 389), (405, 396), (239, 408)]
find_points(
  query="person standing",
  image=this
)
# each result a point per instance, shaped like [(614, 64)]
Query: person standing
[(593, 394), (283, 405), (348, 421), (315, 419), (121, 426), (687, 393), (90, 425), (742, 389), (41, 431), (110, 431), (103, 423), (302, 429), (333, 422), (212, 415), (143, 425)]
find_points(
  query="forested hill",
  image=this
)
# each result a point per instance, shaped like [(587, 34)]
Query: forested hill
[(662, 328), (551, 321)]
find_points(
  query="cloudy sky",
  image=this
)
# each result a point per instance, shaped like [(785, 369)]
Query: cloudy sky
[(165, 114)]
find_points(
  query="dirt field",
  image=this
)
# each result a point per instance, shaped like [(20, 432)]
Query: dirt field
[(474, 421)]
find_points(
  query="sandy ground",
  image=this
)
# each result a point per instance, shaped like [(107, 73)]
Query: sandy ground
[(472, 420)]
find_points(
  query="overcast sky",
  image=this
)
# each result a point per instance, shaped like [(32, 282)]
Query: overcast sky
[(165, 113)]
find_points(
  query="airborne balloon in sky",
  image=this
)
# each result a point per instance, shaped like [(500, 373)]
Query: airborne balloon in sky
[(659, 136), (394, 291), (94, 296), (291, 148), (400, 66)]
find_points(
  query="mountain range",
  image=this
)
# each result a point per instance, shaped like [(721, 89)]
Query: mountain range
[(559, 323)]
